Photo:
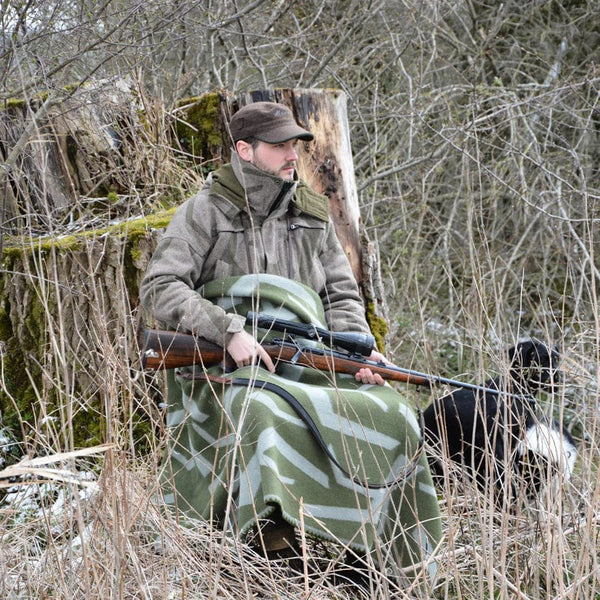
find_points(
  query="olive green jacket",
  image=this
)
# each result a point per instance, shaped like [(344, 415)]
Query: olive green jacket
[(247, 221)]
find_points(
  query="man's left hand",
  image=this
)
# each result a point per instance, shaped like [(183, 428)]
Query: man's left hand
[(365, 375)]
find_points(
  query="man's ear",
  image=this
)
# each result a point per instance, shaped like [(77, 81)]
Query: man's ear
[(244, 149)]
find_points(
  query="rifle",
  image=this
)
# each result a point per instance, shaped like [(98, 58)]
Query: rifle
[(171, 349)]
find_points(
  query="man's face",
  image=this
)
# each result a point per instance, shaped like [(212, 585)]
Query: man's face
[(276, 159)]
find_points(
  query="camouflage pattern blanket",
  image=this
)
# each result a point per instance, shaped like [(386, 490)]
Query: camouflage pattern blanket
[(236, 452)]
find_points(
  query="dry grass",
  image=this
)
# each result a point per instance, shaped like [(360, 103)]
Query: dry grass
[(98, 534), (110, 540), (93, 531), (488, 233)]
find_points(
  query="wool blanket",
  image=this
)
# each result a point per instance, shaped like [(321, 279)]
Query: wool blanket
[(238, 452)]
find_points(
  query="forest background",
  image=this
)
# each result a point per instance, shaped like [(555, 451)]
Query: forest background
[(475, 132)]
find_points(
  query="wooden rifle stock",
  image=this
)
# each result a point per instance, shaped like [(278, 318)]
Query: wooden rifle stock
[(170, 350)]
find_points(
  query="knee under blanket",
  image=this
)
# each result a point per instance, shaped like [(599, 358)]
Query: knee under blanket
[(235, 452)]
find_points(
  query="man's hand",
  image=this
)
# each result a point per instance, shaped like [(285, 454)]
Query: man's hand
[(365, 375), (245, 350)]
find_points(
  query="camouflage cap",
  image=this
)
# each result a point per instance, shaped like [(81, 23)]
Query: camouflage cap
[(268, 122)]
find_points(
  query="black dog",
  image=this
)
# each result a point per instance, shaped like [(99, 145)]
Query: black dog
[(496, 435)]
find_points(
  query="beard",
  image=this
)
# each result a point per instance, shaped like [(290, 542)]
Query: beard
[(286, 171)]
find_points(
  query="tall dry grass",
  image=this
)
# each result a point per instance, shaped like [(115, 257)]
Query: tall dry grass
[(88, 528), (479, 248)]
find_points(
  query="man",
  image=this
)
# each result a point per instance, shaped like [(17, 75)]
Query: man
[(265, 136), (256, 237)]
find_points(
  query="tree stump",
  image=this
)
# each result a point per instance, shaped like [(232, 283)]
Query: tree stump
[(58, 155), (78, 293)]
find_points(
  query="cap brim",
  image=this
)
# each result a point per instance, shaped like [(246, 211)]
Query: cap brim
[(284, 134)]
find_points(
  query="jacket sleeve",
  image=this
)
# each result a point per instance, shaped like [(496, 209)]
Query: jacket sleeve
[(344, 308), (168, 290)]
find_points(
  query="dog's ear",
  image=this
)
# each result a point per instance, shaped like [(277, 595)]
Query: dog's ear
[(520, 358), (533, 365), (521, 355)]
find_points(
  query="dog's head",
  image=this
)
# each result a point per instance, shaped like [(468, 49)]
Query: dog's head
[(534, 366)]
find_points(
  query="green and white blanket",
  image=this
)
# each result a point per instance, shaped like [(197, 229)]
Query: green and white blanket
[(235, 452)]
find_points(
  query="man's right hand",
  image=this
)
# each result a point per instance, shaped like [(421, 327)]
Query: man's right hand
[(245, 350)]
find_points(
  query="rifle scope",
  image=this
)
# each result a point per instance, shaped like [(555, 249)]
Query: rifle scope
[(361, 344)]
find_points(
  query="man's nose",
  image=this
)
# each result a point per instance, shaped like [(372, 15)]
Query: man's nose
[(292, 154)]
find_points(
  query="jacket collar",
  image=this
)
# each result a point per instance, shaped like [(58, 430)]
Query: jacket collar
[(250, 188), (241, 187)]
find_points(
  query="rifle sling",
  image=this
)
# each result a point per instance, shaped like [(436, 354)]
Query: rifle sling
[(311, 426)]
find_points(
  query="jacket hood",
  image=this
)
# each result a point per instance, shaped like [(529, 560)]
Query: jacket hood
[(249, 187)]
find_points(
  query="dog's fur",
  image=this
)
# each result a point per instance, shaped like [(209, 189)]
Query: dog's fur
[(498, 439)]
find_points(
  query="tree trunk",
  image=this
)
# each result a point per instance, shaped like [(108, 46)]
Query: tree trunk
[(326, 165)]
